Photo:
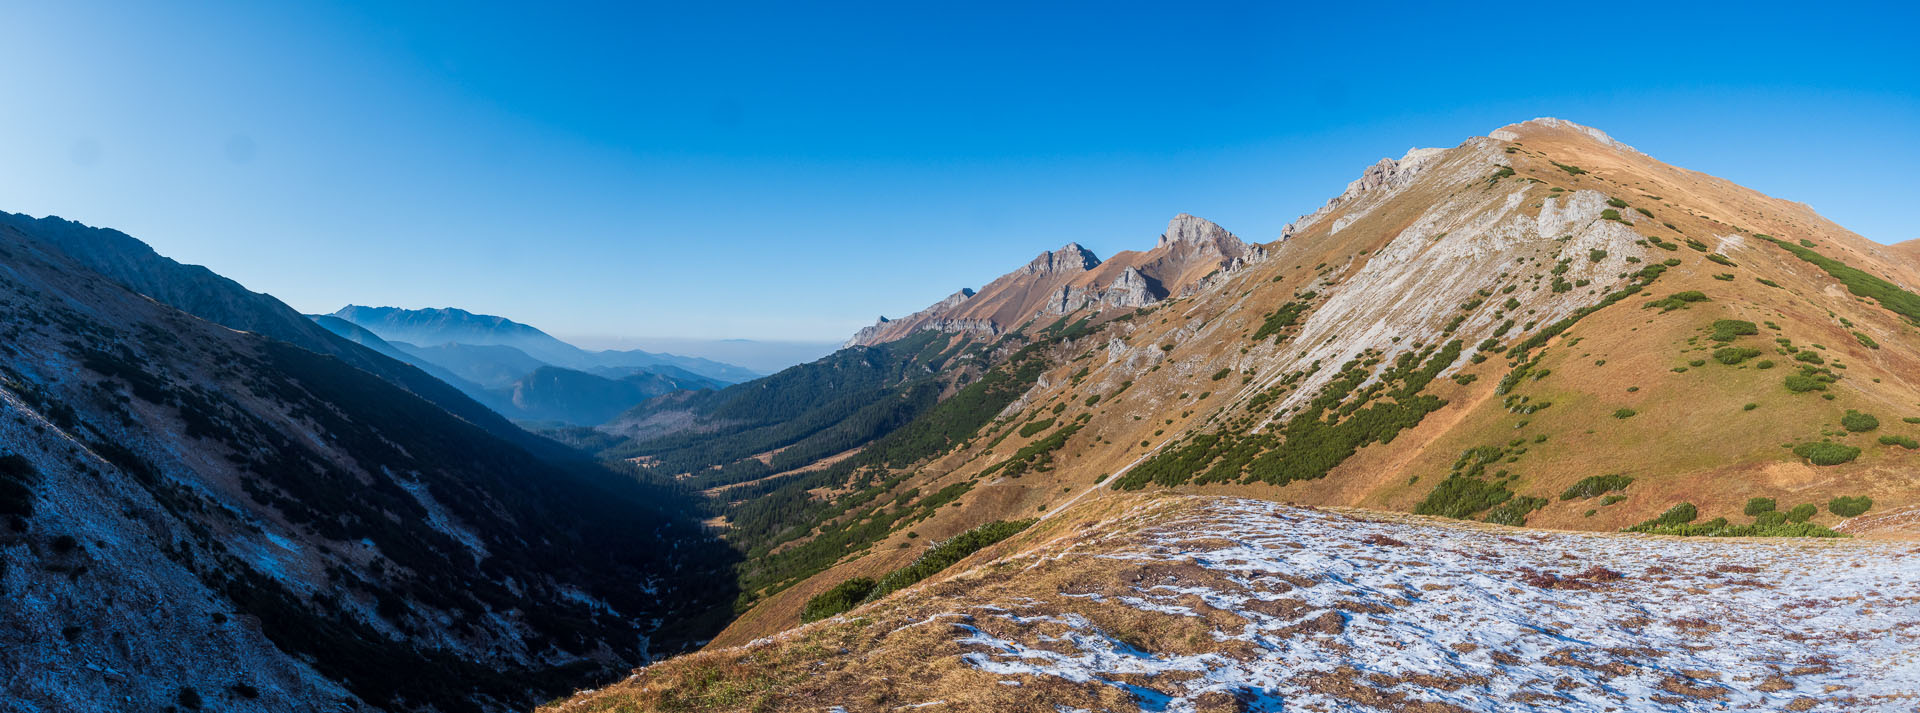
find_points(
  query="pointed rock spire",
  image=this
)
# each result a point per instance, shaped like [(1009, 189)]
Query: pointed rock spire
[(1069, 258)]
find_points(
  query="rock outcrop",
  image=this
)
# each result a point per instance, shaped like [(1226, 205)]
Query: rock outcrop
[(1072, 278)]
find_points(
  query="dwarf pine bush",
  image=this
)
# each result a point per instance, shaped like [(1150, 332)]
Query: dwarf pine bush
[(1858, 422), (1845, 506), (1826, 452), (1802, 512), (1596, 485)]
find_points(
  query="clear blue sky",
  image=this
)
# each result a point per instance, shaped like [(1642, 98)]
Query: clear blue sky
[(791, 170)]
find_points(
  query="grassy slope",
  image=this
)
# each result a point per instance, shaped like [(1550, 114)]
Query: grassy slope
[(1690, 441)]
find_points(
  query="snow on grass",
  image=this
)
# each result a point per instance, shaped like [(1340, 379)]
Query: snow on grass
[(1346, 613)]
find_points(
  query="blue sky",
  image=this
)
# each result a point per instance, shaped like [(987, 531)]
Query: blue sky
[(792, 170)]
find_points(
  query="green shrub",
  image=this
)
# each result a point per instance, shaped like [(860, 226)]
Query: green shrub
[(1911, 419), (1611, 214), (1769, 518), (1571, 170), (1720, 259), (1035, 427), (1808, 357), (1750, 407), (1624, 412), (1802, 512), (1763, 364), (1677, 300), (1850, 506), (1755, 506), (944, 555), (1596, 255), (1734, 355), (1858, 422), (1617, 203), (1906, 442), (1859, 282), (1514, 511), (1677, 515), (1222, 374), (1460, 497), (1288, 315), (1866, 340), (1596, 485), (1802, 383), (1767, 527), (1725, 330), (1826, 452), (842, 597)]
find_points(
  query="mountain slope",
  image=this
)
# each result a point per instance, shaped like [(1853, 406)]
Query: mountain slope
[(553, 393), (209, 296), (359, 335), (1543, 326), (208, 518), (491, 366)]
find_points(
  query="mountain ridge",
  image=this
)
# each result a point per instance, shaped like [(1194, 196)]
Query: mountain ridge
[(1544, 328), (206, 517), (439, 326)]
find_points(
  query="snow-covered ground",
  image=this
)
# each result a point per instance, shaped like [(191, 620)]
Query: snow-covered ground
[(1331, 611)]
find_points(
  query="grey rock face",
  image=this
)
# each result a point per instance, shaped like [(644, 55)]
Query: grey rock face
[(1133, 289), (1069, 258)]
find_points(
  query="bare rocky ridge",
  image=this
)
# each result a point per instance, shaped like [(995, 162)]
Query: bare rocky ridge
[(1069, 279)]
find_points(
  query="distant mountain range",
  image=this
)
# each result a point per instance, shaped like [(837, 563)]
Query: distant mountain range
[(428, 327), (761, 355), (520, 371)]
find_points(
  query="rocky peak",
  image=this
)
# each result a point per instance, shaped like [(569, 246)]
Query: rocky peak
[(1069, 258), (954, 299), (1133, 288), (1379, 182), (1514, 132), (1187, 228)]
